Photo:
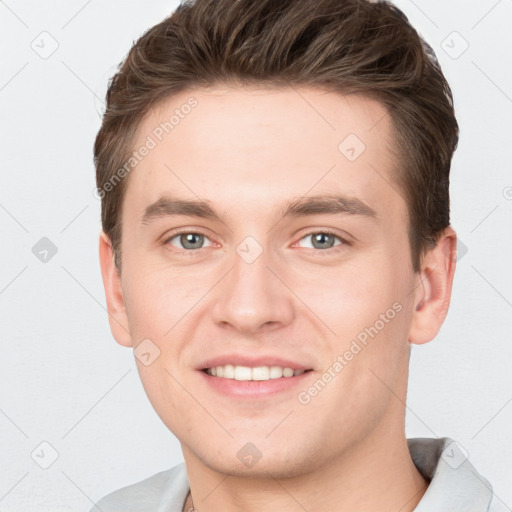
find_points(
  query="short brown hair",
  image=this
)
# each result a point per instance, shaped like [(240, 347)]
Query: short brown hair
[(350, 46)]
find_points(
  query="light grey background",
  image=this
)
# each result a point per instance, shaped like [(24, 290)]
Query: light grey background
[(66, 382)]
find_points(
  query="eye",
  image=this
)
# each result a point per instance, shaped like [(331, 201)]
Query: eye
[(189, 240), (324, 240)]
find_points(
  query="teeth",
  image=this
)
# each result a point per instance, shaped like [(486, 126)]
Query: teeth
[(276, 372), (246, 373), (229, 371), (261, 373), (243, 373)]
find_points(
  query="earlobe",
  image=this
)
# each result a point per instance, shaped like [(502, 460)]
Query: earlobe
[(117, 316), (433, 289)]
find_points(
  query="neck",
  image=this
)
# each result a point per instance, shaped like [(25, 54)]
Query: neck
[(374, 474)]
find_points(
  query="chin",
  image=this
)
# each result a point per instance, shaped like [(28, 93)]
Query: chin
[(249, 462)]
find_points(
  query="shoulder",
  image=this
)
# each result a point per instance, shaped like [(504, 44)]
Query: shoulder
[(455, 484), (164, 491), (497, 505)]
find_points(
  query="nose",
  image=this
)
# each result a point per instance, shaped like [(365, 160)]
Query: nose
[(253, 296)]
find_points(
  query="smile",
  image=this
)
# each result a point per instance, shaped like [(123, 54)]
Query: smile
[(230, 371)]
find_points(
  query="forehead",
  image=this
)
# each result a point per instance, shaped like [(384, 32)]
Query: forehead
[(255, 147)]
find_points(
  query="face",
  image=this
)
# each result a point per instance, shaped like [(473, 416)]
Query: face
[(294, 255)]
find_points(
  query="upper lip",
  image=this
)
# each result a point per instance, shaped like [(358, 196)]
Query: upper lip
[(252, 361)]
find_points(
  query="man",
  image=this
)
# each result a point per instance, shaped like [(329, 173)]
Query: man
[(274, 182)]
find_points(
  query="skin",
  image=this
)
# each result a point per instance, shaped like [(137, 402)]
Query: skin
[(247, 151)]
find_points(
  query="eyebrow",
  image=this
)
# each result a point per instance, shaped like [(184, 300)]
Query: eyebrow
[(297, 207)]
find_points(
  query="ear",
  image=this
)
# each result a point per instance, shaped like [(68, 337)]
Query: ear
[(433, 289), (117, 316)]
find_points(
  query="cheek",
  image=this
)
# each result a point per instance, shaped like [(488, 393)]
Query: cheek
[(367, 305), (164, 393), (157, 299), (352, 295)]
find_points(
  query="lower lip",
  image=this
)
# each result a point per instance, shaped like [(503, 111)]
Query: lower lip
[(253, 388)]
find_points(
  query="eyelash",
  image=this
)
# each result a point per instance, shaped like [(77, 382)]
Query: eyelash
[(192, 252)]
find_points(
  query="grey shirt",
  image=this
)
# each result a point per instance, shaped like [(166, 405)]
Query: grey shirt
[(454, 486)]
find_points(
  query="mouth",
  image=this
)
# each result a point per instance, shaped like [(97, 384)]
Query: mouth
[(244, 376), (248, 373), (254, 382)]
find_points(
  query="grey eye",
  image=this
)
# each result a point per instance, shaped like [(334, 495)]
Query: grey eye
[(322, 240), (190, 240)]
